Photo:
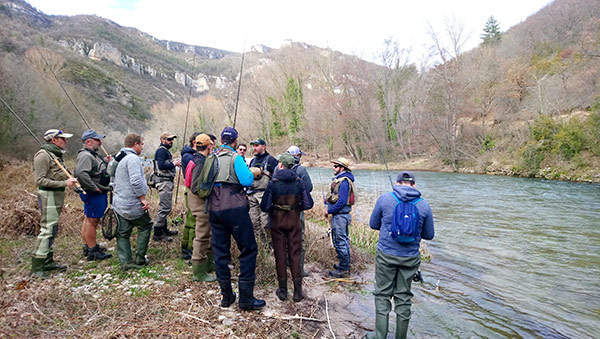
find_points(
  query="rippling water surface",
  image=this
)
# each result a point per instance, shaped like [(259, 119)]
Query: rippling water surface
[(511, 256)]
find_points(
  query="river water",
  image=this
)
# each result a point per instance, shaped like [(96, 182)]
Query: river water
[(511, 257)]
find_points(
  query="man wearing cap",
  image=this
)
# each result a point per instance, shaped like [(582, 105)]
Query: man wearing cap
[(397, 261), (202, 256), (165, 170), (263, 164), (302, 174), (51, 181), (228, 215), (187, 154), (130, 204), (284, 199), (91, 174), (339, 203)]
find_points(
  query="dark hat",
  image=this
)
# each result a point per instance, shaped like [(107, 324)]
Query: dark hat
[(229, 134), (406, 176), (91, 134), (286, 159), (258, 141)]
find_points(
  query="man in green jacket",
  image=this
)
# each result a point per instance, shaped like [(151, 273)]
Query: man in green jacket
[(51, 181)]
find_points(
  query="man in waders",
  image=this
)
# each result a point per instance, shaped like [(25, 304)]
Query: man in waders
[(339, 203), (302, 174), (91, 174), (262, 165), (51, 182), (202, 256), (187, 154), (284, 199), (130, 204), (398, 259), (165, 170), (228, 215)]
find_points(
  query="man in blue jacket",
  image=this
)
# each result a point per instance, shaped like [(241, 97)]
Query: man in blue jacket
[(228, 216), (165, 170), (339, 205), (397, 263)]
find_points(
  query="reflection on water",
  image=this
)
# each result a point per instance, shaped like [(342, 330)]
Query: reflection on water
[(511, 257)]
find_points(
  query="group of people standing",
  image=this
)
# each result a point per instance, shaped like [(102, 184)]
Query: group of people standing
[(243, 201)]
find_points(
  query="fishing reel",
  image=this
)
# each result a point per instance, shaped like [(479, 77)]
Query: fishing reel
[(417, 277)]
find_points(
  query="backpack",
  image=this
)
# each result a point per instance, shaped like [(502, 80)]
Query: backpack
[(111, 168), (405, 220), (151, 178), (207, 176)]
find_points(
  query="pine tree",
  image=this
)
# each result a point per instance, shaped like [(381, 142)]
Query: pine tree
[(491, 31)]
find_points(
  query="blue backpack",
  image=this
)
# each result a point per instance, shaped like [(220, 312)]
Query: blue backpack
[(405, 220)]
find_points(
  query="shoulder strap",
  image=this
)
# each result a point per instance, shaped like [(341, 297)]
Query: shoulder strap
[(414, 202), (395, 197)]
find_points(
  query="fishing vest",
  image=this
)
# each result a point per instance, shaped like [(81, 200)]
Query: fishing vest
[(334, 194), (260, 183), (226, 161), (164, 175)]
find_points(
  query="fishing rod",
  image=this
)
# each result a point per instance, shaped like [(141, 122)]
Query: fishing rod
[(70, 99), (62, 168), (187, 113), (237, 99), (386, 166)]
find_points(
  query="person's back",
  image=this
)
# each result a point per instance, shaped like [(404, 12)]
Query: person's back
[(398, 258), (129, 184)]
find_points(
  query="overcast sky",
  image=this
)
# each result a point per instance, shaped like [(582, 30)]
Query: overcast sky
[(353, 27)]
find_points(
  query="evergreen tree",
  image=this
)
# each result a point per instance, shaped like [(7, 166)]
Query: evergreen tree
[(491, 31)]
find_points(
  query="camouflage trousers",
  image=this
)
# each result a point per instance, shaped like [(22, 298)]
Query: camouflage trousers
[(260, 219), (50, 203)]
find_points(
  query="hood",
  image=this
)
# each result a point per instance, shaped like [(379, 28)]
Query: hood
[(128, 150), (285, 174), (406, 193), (349, 175), (187, 149)]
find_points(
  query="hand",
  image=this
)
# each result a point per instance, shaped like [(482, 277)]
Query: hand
[(177, 162), (325, 214), (71, 182), (145, 204), (108, 158)]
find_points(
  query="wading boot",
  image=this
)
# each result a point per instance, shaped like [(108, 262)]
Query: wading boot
[(160, 235), (200, 272), (339, 273), (382, 314), (401, 327), (50, 265), (282, 290), (227, 293), (247, 301), (37, 268), (298, 290), (95, 253)]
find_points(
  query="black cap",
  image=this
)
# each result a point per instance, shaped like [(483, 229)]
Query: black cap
[(258, 141), (405, 176)]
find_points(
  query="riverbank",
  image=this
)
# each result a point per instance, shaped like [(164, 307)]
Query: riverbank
[(562, 171)]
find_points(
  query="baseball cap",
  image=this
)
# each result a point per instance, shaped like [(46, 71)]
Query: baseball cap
[(91, 134), (167, 135), (229, 134), (294, 150), (203, 140), (258, 141), (56, 133), (406, 176), (286, 159)]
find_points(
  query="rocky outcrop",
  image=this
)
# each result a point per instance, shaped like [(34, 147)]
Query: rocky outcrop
[(202, 52)]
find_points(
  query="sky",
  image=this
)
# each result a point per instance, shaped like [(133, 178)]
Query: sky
[(353, 27)]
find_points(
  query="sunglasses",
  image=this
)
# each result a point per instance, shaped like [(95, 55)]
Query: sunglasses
[(170, 139), (336, 166), (242, 149)]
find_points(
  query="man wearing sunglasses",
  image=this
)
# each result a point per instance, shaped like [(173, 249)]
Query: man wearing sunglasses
[(51, 181), (165, 170), (339, 205)]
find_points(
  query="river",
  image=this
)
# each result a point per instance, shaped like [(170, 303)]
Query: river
[(511, 257)]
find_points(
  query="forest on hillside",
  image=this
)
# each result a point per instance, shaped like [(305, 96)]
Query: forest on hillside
[(524, 102)]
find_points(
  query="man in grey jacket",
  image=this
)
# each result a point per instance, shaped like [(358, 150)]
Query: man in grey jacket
[(130, 203)]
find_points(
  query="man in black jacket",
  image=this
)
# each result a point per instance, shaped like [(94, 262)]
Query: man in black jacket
[(165, 170)]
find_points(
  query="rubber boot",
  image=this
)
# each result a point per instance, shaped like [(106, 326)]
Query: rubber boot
[(282, 290), (401, 327), (50, 265), (339, 273), (37, 268), (247, 301), (382, 316), (227, 293), (298, 296), (124, 254), (200, 272), (95, 253), (143, 239)]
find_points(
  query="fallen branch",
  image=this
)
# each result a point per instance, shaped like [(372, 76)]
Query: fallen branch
[(298, 317), (344, 280), (327, 313), (193, 317)]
